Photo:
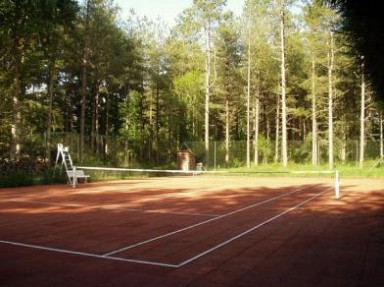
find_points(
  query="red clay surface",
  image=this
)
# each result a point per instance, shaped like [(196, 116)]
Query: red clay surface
[(196, 231)]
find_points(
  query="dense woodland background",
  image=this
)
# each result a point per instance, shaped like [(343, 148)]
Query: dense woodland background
[(281, 83)]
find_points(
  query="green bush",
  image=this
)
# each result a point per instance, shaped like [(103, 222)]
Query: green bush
[(22, 178), (15, 179)]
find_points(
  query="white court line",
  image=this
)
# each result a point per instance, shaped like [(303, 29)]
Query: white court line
[(109, 206), (250, 230), (204, 222), (45, 202), (87, 254), (181, 213), (167, 264)]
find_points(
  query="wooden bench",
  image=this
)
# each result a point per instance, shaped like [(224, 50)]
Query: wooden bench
[(79, 174)]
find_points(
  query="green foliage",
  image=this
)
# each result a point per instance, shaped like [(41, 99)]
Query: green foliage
[(22, 178), (16, 179), (265, 148), (345, 170), (144, 84)]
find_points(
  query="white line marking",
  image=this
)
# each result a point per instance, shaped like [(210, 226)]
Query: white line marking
[(88, 254), (154, 263), (205, 222), (46, 203), (249, 230), (180, 213), (110, 206)]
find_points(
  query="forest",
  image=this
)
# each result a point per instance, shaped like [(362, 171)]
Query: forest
[(281, 83)]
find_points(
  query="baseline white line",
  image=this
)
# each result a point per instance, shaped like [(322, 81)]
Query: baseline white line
[(250, 230), (108, 207), (46, 203), (205, 222), (58, 250), (154, 263)]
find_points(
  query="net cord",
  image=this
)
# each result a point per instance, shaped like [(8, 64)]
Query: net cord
[(195, 172)]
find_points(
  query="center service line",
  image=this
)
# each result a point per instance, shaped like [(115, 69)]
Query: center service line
[(205, 222), (250, 230)]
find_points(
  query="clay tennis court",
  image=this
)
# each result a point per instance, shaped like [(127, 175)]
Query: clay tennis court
[(194, 231)]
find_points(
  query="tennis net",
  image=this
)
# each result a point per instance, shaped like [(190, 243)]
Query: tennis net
[(330, 177)]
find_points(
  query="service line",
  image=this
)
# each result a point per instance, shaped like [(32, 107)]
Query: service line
[(161, 264), (250, 230), (71, 252), (205, 222)]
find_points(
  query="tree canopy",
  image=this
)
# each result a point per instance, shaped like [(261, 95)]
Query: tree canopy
[(363, 23), (280, 83)]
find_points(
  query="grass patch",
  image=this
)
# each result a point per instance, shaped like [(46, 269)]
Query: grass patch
[(370, 170)]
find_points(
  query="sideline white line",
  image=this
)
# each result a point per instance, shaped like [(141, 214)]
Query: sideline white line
[(161, 264), (205, 222), (250, 230), (58, 250)]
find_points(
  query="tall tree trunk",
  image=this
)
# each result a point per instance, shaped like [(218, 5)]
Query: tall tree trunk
[(277, 133), (96, 131), (51, 79), (227, 132), (151, 124), (157, 124), (84, 82), (106, 142), (126, 142), (330, 100), (83, 103), (284, 144), (15, 125), (16, 94), (95, 115), (315, 158), (362, 121), (256, 126), (249, 100), (207, 89)]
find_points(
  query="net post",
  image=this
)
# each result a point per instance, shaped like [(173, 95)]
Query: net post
[(337, 184), (74, 179)]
